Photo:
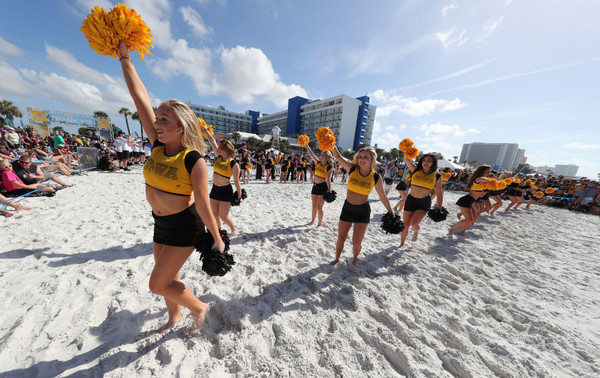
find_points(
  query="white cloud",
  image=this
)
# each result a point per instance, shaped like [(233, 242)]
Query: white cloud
[(489, 28), (448, 8), (76, 69), (195, 21), (156, 14), (451, 38), (188, 61), (12, 82), (247, 72), (582, 146), (438, 131), (389, 102), (8, 48)]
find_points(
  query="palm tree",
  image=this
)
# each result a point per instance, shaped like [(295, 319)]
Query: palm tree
[(283, 144), (136, 116), (9, 110), (126, 112), (100, 114), (236, 137)]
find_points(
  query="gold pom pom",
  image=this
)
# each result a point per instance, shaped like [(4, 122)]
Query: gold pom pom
[(303, 140), (202, 124), (105, 30), (325, 138)]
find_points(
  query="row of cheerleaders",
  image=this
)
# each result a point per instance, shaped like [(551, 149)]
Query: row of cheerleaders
[(419, 189)]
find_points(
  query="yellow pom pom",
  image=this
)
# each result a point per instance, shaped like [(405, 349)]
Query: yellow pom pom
[(539, 195), (105, 30), (549, 191), (411, 152), (202, 124), (325, 138), (303, 140), (405, 144), (446, 176)]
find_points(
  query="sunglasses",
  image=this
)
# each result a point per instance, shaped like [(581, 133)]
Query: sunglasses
[(5, 166)]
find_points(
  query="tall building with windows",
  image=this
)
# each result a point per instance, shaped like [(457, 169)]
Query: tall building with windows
[(350, 119), (225, 121), (569, 170), (499, 155)]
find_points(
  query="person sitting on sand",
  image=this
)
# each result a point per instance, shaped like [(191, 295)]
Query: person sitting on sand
[(14, 185), (356, 211), (31, 173), (178, 194), (5, 202)]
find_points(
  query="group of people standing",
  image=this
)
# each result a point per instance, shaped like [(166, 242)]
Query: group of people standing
[(183, 206)]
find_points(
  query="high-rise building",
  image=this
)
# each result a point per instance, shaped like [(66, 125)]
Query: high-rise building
[(225, 121), (569, 170), (350, 119), (499, 155)]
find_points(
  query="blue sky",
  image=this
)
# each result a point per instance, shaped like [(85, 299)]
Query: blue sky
[(443, 73)]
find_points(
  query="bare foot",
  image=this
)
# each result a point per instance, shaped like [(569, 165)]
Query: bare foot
[(162, 330), (450, 231), (21, 207), (7, 214), (198, 321), (415, 236), (320, 225), (234, 233), (311, 223), (335, 263)]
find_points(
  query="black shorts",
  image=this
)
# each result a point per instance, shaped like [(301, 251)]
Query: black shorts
[(221, 193), (388, 181), (513, 192), (414, 204), (178, 230), (319, 189), (356, 213), (466, 201)]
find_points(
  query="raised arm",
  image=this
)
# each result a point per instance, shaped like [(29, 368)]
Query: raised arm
[(345, 163), (211, 140), (312, 154), (409, 163), (138, 93)]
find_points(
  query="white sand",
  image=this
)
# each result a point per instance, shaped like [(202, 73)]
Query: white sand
[(519, 296)]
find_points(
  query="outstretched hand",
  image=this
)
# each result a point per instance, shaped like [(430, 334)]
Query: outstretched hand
[(123, 49)]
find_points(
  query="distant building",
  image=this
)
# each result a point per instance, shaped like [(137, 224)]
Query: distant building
[(499, 155), (350, 119), (569, 170), (225, 121)]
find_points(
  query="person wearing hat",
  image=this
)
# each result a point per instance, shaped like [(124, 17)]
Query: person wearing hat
[(13, 138)]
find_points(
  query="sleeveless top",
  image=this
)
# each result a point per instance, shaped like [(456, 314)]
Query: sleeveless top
[(423, 180), (321, 170), (478, 186), (224, 167), (170, 174), (360, 184)]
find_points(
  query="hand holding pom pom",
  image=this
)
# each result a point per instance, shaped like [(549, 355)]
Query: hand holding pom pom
[(392, 224), (438, 214), (329, 197)]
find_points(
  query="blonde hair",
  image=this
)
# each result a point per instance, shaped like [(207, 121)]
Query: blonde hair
[(192, 136), (3, 162), (329, 157), (371, 151), (225, 144)]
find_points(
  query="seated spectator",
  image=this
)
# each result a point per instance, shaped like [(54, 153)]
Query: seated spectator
[(15, 187), (32, 174), (5, 202), (12, 138), (106, 164)]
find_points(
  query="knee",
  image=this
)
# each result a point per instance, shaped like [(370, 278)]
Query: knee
[(414, 224), (157, 286)]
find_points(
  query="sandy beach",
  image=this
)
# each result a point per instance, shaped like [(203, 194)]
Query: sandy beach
[(517, 297)]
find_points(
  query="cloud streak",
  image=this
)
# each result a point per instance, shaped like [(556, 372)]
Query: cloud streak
[(514, 76)]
